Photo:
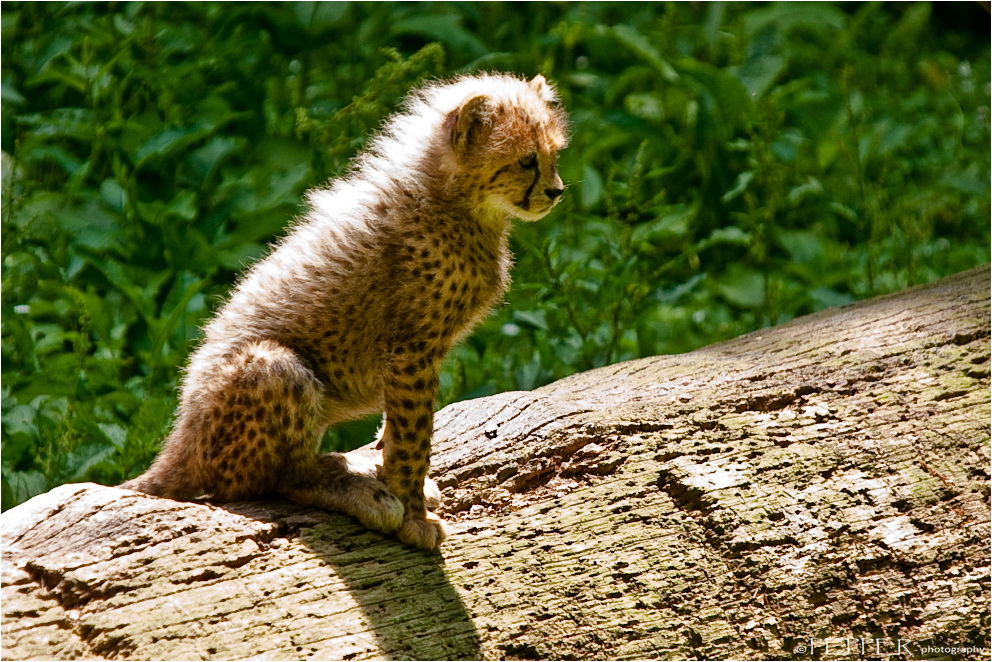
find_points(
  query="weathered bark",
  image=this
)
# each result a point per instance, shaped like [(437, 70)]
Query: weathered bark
[(824, 479)]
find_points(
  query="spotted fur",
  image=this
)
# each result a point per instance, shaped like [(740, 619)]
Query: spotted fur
[(354, 310)]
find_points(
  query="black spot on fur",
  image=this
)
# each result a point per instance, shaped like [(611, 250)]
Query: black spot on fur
[(498, 173)]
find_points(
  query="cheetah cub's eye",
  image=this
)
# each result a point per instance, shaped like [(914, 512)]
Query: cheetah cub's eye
[(528, 162)]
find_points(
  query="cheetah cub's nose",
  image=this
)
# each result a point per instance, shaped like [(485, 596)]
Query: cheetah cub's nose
[(553, 193)]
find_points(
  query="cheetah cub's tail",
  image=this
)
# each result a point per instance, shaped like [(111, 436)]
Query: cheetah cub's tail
[(169, 476)]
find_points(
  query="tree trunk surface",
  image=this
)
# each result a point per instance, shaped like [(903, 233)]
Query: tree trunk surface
[(817, 490)]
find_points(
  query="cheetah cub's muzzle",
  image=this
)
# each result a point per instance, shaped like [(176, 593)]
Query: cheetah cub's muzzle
[(528, 187), (545, 189)]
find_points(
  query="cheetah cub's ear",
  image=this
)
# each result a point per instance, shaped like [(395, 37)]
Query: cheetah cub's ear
[(544, 90), (540, 85), (473, 124)]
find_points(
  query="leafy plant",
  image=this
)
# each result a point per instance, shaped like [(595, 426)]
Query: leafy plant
[(732, 166)]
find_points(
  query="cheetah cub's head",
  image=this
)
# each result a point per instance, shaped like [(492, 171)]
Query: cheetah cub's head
[(505, 139)]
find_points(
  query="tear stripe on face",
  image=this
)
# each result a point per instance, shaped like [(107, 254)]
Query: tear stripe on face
[(537, 175)]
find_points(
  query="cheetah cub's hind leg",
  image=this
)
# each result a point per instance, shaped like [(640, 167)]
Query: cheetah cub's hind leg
[(271, 402), (345, 484)]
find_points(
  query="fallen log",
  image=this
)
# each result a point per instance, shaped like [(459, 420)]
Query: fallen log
[(814, 490)]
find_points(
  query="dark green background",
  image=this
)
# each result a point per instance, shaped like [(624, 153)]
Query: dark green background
[(733, 165)]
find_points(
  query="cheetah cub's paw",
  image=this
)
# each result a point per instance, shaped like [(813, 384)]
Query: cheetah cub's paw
[(346, 485), (425, 533), (368, 467), (380, 510), (371, 501)]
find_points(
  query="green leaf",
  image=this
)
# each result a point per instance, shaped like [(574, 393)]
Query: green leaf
[(731, 102), (591, 187), (445, 28), (672, 295), (673, 223), (740, 185), (19, 486), (113, 194), (20, 420), (759, 73), (535, 319), (638, 44), (241, 255), (732, 235), (319, 17), (803, 246), (74, 123), (10, 95), (646, 105), (742, 287), (164, 330), (170, 141), (826, 297), (207, 159), (786, 16), (94, 227)]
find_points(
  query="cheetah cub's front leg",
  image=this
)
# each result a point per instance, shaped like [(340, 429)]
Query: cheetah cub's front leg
[(406, 448)]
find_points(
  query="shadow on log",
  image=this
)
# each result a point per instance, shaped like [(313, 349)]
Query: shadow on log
[(814, 490)]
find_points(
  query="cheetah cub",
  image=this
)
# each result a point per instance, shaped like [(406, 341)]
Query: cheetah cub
[(353, 311)]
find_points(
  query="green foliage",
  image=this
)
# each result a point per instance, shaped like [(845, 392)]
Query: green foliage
[(732, 166)]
